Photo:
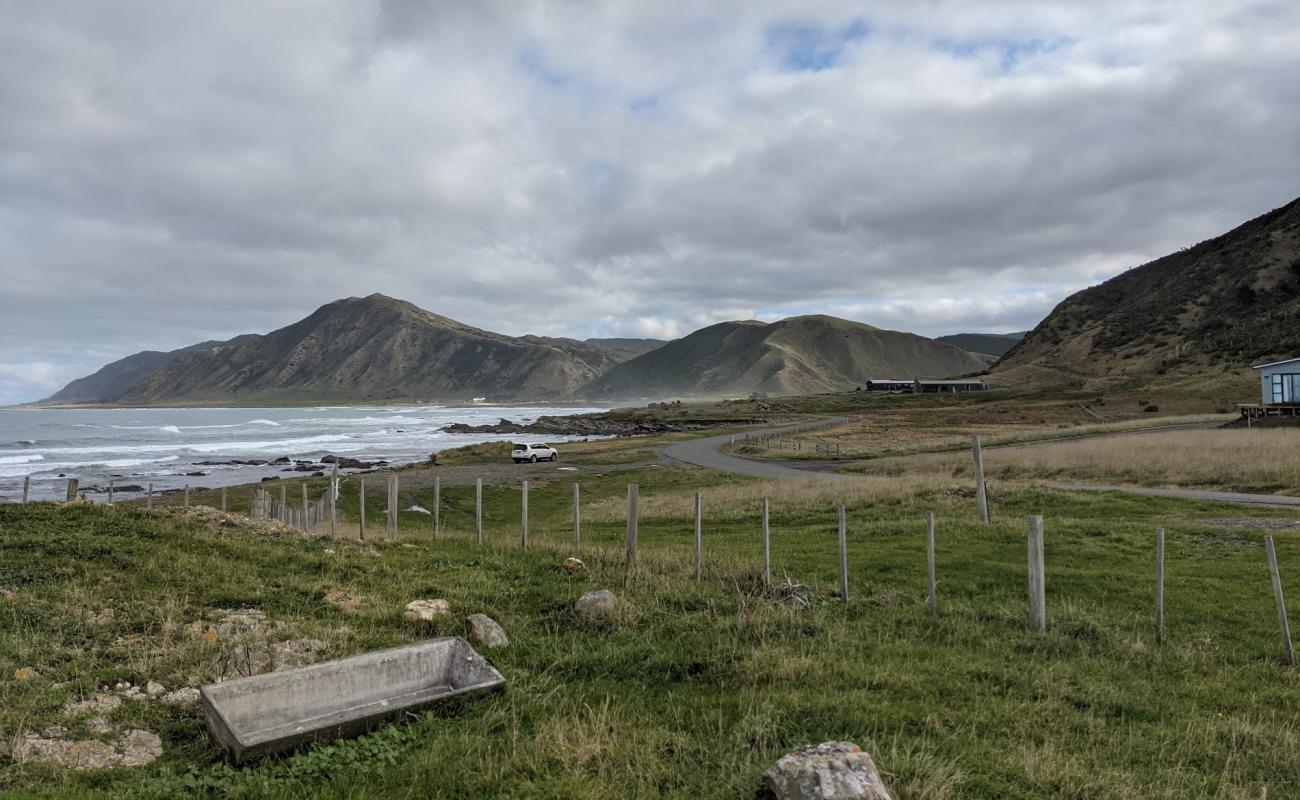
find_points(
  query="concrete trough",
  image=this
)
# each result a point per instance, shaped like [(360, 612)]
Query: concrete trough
[(281, 711)]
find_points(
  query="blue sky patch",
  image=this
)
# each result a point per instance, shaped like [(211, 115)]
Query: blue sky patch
[(801, 47), (1010, 53)]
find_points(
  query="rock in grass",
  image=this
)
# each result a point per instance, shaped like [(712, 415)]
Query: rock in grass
[(828, 771), (570, 565), (427, 610), (596, 606), (484, 631), (133, 749)]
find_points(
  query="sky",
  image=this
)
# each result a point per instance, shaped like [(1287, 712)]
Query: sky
[(176, 172)]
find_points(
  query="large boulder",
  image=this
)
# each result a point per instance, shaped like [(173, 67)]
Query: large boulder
[(828, 771), (484, 631), (596, 606)]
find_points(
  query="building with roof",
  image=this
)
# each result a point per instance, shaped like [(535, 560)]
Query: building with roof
[(1279, 382)]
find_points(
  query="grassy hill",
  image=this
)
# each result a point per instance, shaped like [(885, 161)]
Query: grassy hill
[(989, 344), (799, 355), (1205, 313)]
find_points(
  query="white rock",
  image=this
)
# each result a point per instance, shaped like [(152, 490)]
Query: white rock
[(427, 610), (187, 696), (828, 771), (154, 689)]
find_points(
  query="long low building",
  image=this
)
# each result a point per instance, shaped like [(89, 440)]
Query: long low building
[(920, 386)]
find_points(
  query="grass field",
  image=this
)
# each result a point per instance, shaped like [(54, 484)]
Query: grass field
[(1264, 461), (696, 687)]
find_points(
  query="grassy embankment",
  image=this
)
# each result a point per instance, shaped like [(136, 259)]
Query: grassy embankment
[(696, 687)]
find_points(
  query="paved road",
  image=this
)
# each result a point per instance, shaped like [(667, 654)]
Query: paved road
[(1189, 494), (706, 453)]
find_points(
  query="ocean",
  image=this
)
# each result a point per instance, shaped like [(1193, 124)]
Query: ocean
[(162, 445)]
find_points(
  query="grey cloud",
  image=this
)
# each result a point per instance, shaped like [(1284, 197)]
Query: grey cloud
[(172, 173)]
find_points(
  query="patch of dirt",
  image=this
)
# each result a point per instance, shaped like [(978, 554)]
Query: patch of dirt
[(342, 600), (255, 658), (133, 748)]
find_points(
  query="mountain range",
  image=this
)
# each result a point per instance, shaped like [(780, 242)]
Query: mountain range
[(1211, 309), (377, 349)]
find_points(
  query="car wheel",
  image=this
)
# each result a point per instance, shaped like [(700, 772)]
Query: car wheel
[(533, 459), (555, 456)]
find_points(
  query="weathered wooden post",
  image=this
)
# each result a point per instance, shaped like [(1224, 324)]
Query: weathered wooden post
[(699, 550), (1160, 585), (148, 500), (478, 509), (844, 556), (223, 497), (524, 543), (981, 493), (1037, 581), (631, 523), (72, 489), (392, 508), (577, 521), (110, 491), (284, 504), (933, 598), (1288, 654), (437, 505), (361, 500), (306, 513), (27, 484), (334, 515), (767, 548), (187, 497)]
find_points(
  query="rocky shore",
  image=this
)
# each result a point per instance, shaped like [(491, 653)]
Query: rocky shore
[(608, 424)]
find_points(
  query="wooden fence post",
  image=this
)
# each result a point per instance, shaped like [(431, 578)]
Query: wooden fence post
[(110, 491), (306, 513), (525, 515), (981, 492), (437, 505), (844, 556), (361, 500), (27, 484), (223, 497), (284, 504), (72, 489), (1037, 582), (1288, 654), (699, 553), (933, 595), (148, 501), (1160, 585), (577, 521), (392, 508), (478, 508), (631, 523), (187, 497), (334, 516), (767, 547)]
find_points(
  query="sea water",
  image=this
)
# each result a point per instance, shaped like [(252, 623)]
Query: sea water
[(163, 445)]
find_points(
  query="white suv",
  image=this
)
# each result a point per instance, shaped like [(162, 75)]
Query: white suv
[(534, 453)]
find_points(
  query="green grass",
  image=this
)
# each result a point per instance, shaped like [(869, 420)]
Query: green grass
[(698, 687)]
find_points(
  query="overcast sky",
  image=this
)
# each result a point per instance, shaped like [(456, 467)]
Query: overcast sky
[(173, 172)]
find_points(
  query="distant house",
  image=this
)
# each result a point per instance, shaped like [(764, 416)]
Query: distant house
[(930, 387), (919, 386), (1279, 382), (889, 385)]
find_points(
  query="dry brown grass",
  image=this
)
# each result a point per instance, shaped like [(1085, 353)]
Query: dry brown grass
[(1231, 459)]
